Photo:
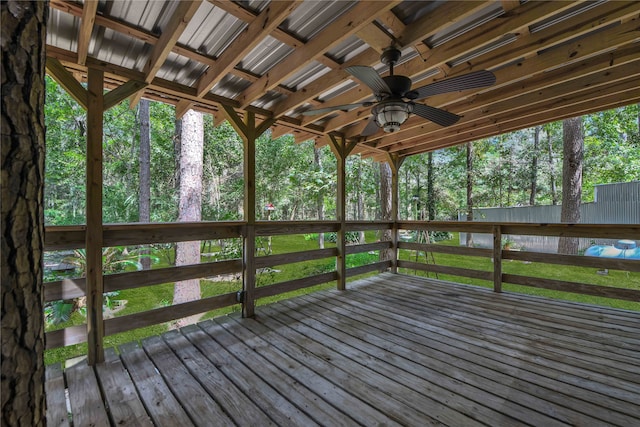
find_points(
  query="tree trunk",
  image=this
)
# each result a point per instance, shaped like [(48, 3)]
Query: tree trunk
[(469, 190), (534, 166), (320, 197), (359, 201), (144, 198), (385, 206), (431, 198), (23, 138), (552, 171), (191, 154), (573, 150)]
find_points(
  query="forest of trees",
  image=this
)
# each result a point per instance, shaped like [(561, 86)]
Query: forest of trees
[(515, 169)]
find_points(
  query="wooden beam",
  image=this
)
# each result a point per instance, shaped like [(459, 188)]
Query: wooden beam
[(261, 26), (595, 44), (513, 23), (89, 10), (534, 102), (67, 81), (375, 37), (235, 120), (341, 149), (343, 27), (141, 34), (431, 25), (549, 113), (94, 238), (447, 14), (119, 94), (180, 18)]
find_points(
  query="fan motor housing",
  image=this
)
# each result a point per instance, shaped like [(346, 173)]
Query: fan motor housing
[(399, 85)]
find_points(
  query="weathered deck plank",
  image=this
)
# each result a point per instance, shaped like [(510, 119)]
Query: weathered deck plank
[(391, 350), (56, 400), (86, 400), (162, 406)]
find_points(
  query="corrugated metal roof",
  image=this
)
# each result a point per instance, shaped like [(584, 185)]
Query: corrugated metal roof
[(126, 33), (211, 30), (306, 21)]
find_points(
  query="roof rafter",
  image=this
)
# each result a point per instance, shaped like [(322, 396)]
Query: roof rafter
[(169, 37), (89, 11), (524, 47), (349, 23), (372, 57), (261, 26)]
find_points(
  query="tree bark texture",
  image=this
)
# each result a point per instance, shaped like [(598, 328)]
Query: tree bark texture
[(320, 198), (573, 150), (191, 155), (552, 170), (144, 199), (385, 206), (23, 137), (431, 197), (534, 166), (469, 190)]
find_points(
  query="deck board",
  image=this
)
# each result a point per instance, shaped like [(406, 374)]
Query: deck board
[(391, 350)]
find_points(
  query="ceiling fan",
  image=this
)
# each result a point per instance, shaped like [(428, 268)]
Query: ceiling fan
[(395, 99)]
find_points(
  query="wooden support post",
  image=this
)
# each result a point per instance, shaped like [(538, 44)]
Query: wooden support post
[(249, 132), (497, 258), (341, 150), (394, 162), (94, 239)]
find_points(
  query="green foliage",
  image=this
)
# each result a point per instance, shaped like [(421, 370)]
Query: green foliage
[(351, 237)]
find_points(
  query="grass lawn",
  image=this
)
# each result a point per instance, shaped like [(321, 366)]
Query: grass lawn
[(151, 297)]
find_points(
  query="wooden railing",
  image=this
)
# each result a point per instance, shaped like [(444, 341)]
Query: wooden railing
[(498, 254), (73, 237)]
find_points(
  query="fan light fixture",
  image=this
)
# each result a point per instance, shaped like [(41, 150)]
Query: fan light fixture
[(390, 115)]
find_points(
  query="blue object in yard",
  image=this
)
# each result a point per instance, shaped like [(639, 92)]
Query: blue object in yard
[(626, 249)]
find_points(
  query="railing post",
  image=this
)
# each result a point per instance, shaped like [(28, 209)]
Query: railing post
[(341, 150), (497, 258), (94, 238), (249, 131)]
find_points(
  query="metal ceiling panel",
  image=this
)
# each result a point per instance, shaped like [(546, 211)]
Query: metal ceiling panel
[(62, 30), (313, 16), (230, 86), (307, 74), (265, 56), (123, 50), (211, 30)]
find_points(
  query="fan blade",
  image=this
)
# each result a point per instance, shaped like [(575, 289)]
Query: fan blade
[(468, 81), (370, 128), (436, 115), (343, 107), (370, 77)]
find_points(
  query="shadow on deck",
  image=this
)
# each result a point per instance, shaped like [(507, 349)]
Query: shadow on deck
[(392, 350)]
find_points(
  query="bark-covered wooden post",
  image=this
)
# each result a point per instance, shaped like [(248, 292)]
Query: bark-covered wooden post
[(249, 132), (95, 284), (23, 135), (341, 150)]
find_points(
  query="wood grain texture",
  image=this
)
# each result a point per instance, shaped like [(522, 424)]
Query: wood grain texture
[(392, 350)]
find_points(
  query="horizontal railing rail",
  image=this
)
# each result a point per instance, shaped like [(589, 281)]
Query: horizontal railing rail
[(66, 238), (498, 254)]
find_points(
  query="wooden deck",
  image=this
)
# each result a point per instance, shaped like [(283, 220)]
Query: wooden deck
[(392, 350)]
